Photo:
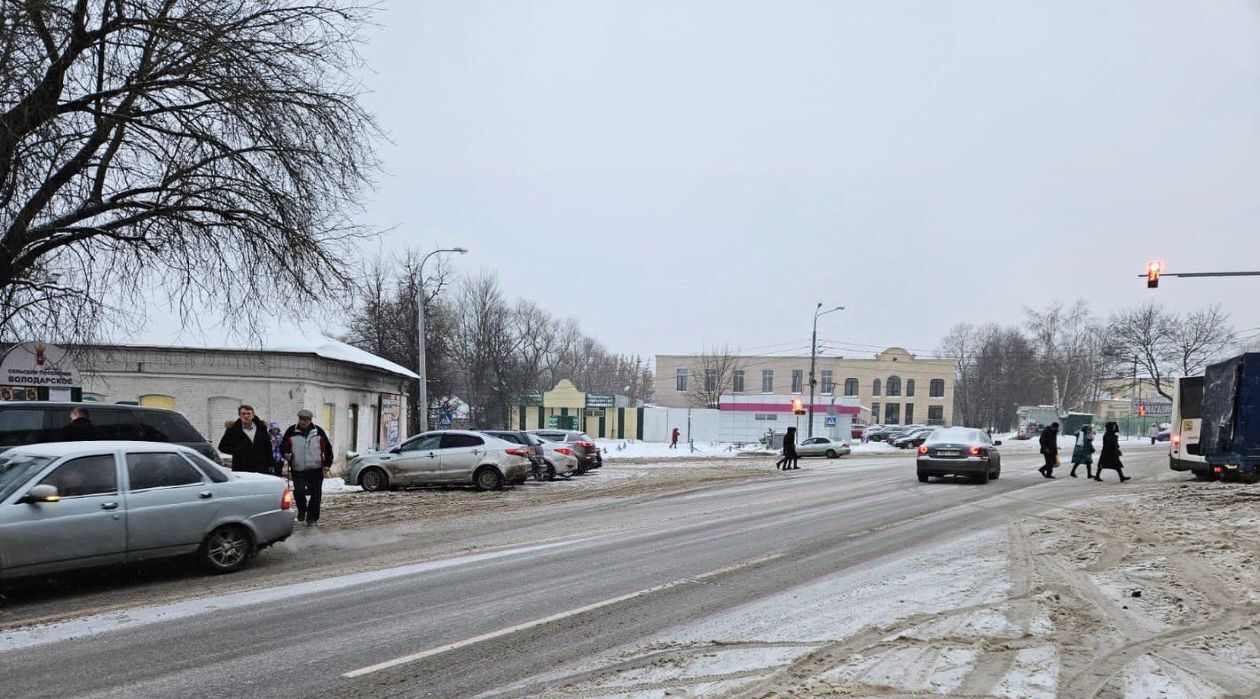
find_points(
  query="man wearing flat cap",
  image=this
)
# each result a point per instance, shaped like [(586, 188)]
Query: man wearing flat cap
[(309, 454)]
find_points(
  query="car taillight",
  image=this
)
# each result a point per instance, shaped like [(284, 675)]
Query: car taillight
[(286, 500), (566, 452), (976, 451), (587, 445), (922, 450), (1176, 440), (518, 451)]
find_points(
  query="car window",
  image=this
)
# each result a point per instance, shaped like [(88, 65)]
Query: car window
[(208, 468), (533, 439), (550, 436), (512, 437), (116, 424), (158, 426), (16, 469), (577, 437), (25, 426), (456, 441), (160, 470), (427, 442), (952, 434), (89, 475)]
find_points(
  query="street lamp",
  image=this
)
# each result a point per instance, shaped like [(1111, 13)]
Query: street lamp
[(422, 402), (813, 357)]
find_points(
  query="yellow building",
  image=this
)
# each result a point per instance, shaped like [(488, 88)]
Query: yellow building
[(600, 415), (896, 386)]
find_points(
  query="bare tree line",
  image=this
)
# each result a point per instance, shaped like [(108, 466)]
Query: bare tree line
[(481, 348), (1066, 356)]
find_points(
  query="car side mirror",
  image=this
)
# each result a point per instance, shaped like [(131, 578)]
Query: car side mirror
[(998, 443), (40, 493), (396, 450)]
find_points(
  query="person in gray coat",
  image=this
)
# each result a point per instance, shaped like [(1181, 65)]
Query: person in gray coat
[(309, 454)]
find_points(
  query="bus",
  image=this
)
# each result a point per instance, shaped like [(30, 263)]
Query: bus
[(1187, 421)]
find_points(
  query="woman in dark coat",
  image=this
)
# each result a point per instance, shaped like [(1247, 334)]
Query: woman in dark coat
[(789, 451), (1110, 456), (1083, 452)]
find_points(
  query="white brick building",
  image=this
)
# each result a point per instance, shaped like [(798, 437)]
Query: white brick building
[(357, 397)]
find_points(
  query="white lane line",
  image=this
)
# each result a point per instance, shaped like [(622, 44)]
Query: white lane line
[(96, 624), (439, 650)]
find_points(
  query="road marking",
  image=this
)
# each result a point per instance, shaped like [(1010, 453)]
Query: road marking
[(439, 650)]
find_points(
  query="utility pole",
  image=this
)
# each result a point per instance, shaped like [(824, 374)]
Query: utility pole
[(813, 359), (422, 400)]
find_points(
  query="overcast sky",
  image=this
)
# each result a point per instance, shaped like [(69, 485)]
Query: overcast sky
[(685, 173)]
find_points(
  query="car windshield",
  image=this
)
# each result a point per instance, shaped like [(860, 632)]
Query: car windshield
[(954, 434), (17, 469)]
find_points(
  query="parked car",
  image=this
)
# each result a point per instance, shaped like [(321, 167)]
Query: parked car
[(535, 445), (71, 505), (23, 422), (560, 459), (959, 451), (823, 446), (443, 457), (584, 448), (912, 439)]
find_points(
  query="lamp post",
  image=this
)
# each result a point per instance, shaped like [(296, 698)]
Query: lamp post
[(813, 357), (422, 402)]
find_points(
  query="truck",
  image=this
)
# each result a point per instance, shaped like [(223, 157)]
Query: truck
[(1184, 451), (1229, 436)]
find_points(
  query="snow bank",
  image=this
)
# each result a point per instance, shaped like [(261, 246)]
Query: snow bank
[(625, 449)]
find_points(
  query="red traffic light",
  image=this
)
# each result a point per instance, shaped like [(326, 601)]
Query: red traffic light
[(1153, 268), (1141, 411)]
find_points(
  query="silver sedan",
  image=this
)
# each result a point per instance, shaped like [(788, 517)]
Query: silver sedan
[(443, 457), (823, 446), (73, 505)]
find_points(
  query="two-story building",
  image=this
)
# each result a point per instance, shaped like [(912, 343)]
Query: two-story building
[(893, 387)]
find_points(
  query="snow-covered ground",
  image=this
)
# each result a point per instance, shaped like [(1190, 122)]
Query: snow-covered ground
[(628, 449)]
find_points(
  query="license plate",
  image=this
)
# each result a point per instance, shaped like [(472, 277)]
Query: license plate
[(948, 453), (1231, 466)]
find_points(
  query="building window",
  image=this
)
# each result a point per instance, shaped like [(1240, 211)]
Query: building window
[(710, 380), (909, 413), (936, 389), (828, 383), (850, 387), (798, 378), (875, 388), (737, 382), (936, 415), (909, 388), (893, 387), (680, 380), (874, 412), (892, 414), (767, 380)]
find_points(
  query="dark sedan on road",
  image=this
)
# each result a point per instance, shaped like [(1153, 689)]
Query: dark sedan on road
[(959, 451)]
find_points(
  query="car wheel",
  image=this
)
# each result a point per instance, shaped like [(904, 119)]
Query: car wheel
[(997, 473), (831, 454), (923, 478), (225, 550), (488, 478), (1204, 476), (983, 479), (551, 471), (374, 480)]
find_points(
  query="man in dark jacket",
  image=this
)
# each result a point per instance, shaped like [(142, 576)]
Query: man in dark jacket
[(247, 442), (309, 453), (80, 428), (1050, 449)]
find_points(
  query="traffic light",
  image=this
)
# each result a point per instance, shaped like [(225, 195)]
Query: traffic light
[(1153, 269), (1141, 411), (797, 406)]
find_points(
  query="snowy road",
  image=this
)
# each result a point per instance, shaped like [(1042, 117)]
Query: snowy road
[(727, 590)]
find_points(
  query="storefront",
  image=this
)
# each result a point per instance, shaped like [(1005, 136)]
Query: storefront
[(600, 415)]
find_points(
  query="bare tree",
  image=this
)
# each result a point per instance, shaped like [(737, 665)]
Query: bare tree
[(712, 376), (1200, 337), (1145, 335), (214, 147)]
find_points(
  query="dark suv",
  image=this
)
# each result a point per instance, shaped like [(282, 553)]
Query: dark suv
[(584, 448), (23, 422)]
